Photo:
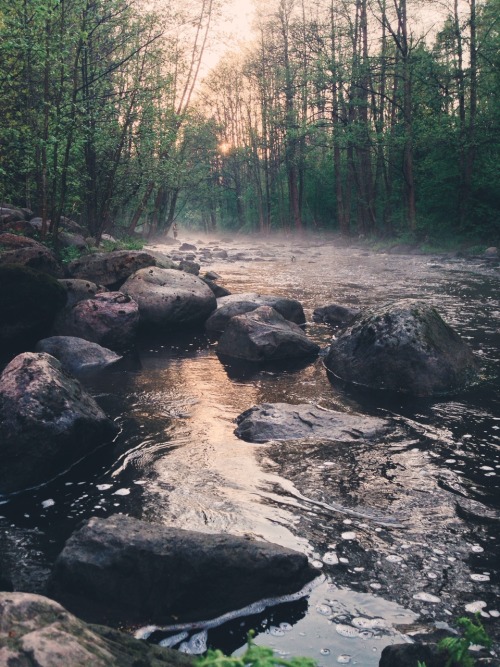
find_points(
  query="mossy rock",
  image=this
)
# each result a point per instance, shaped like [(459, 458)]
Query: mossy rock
[(29, 301)]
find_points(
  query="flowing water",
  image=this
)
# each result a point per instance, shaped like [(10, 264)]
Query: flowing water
[(403, 531)]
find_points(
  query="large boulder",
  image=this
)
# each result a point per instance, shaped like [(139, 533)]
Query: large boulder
[(238, 304), (110, 319), (134, 571), (10, 241), (29, 302), (282, 421), (78, 356), (110, 268), (404, 347), (170, 298), (36, 257), (37, 631), (78, 290), (47, 421), (264, 335)]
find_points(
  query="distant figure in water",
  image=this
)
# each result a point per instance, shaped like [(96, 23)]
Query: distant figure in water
[(294, 258), (174, 229)]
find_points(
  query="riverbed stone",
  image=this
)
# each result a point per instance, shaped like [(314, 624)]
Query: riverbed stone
[(412, 655), (170, 298), (405, 347), (47, 421), (264, 335), (133, 570), (78, 356), (110, 319), (35, 630), (282, 421), (238, 304), (29, 302), (336, 315), (110, 269), (78, 290), (36, 257)]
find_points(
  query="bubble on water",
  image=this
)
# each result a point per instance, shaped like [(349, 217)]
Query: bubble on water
[(359, 569), (103, 487), (480, 577), (276, 632), (325, 651), (439, 552), (349, 521), (486, 468), (495, 613), (368, 623), (344, 659), (426, 597), (477, 549), (392, 558), (347, 631), (375, 585), (324, 609), (343, 560), (432, 575), (318, 564), (286, 627), (48, 503), (198, 643), (366, 635), (450, 461), (122, 492), (330, 558), (349, 535), (168, 642)]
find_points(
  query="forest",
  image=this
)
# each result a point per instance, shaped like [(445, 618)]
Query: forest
[(378, 118)]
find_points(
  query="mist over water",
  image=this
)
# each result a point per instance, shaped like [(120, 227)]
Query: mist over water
[(402, 530)]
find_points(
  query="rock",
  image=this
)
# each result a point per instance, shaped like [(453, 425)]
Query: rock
[(110, 268), (413, 655), (11, 213), (221, 254), (78, 356), (405, 347), (170, 298), (264, 335), (163, 261), (110, 319), (37, 631), (336, 315), (216, 289), (29, 302), (237, 304), (211, 275), (281, 421), (14, 241), (71, 226), (71, 240), (136, 571), (78, 290), (37, 257), (47, 421), (491, 253), (187, 246), (189, 266)]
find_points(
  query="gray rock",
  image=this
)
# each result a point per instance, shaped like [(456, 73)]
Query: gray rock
[(170, 298), (211, 275), (264, 335), (72, 240), (78, 356), (491, 253), (78, 290), (38, 258), (189, 266), (110, 319), (110, 268), (404, 347), (218, 290), (237, 304), (15, 241), (412, 655), (136, 571), (336, 315), (281, 421), (163, 261), (47, 421), (37, 631), (187, 246)]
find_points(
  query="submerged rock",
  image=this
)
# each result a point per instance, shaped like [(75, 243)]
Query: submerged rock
[(170, 298), (132, 570), (281, 421), (47, 421), (78, 356), (37, 631), (264, 335), (404, 347), (238, 304), (336, 315)]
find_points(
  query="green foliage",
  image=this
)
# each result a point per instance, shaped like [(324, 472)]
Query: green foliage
[(458, 647), (254, 656), (70, 253)]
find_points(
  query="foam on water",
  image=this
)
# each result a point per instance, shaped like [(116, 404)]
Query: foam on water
[(422, 596)]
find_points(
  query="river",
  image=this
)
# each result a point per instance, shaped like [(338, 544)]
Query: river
[(403, 531)]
